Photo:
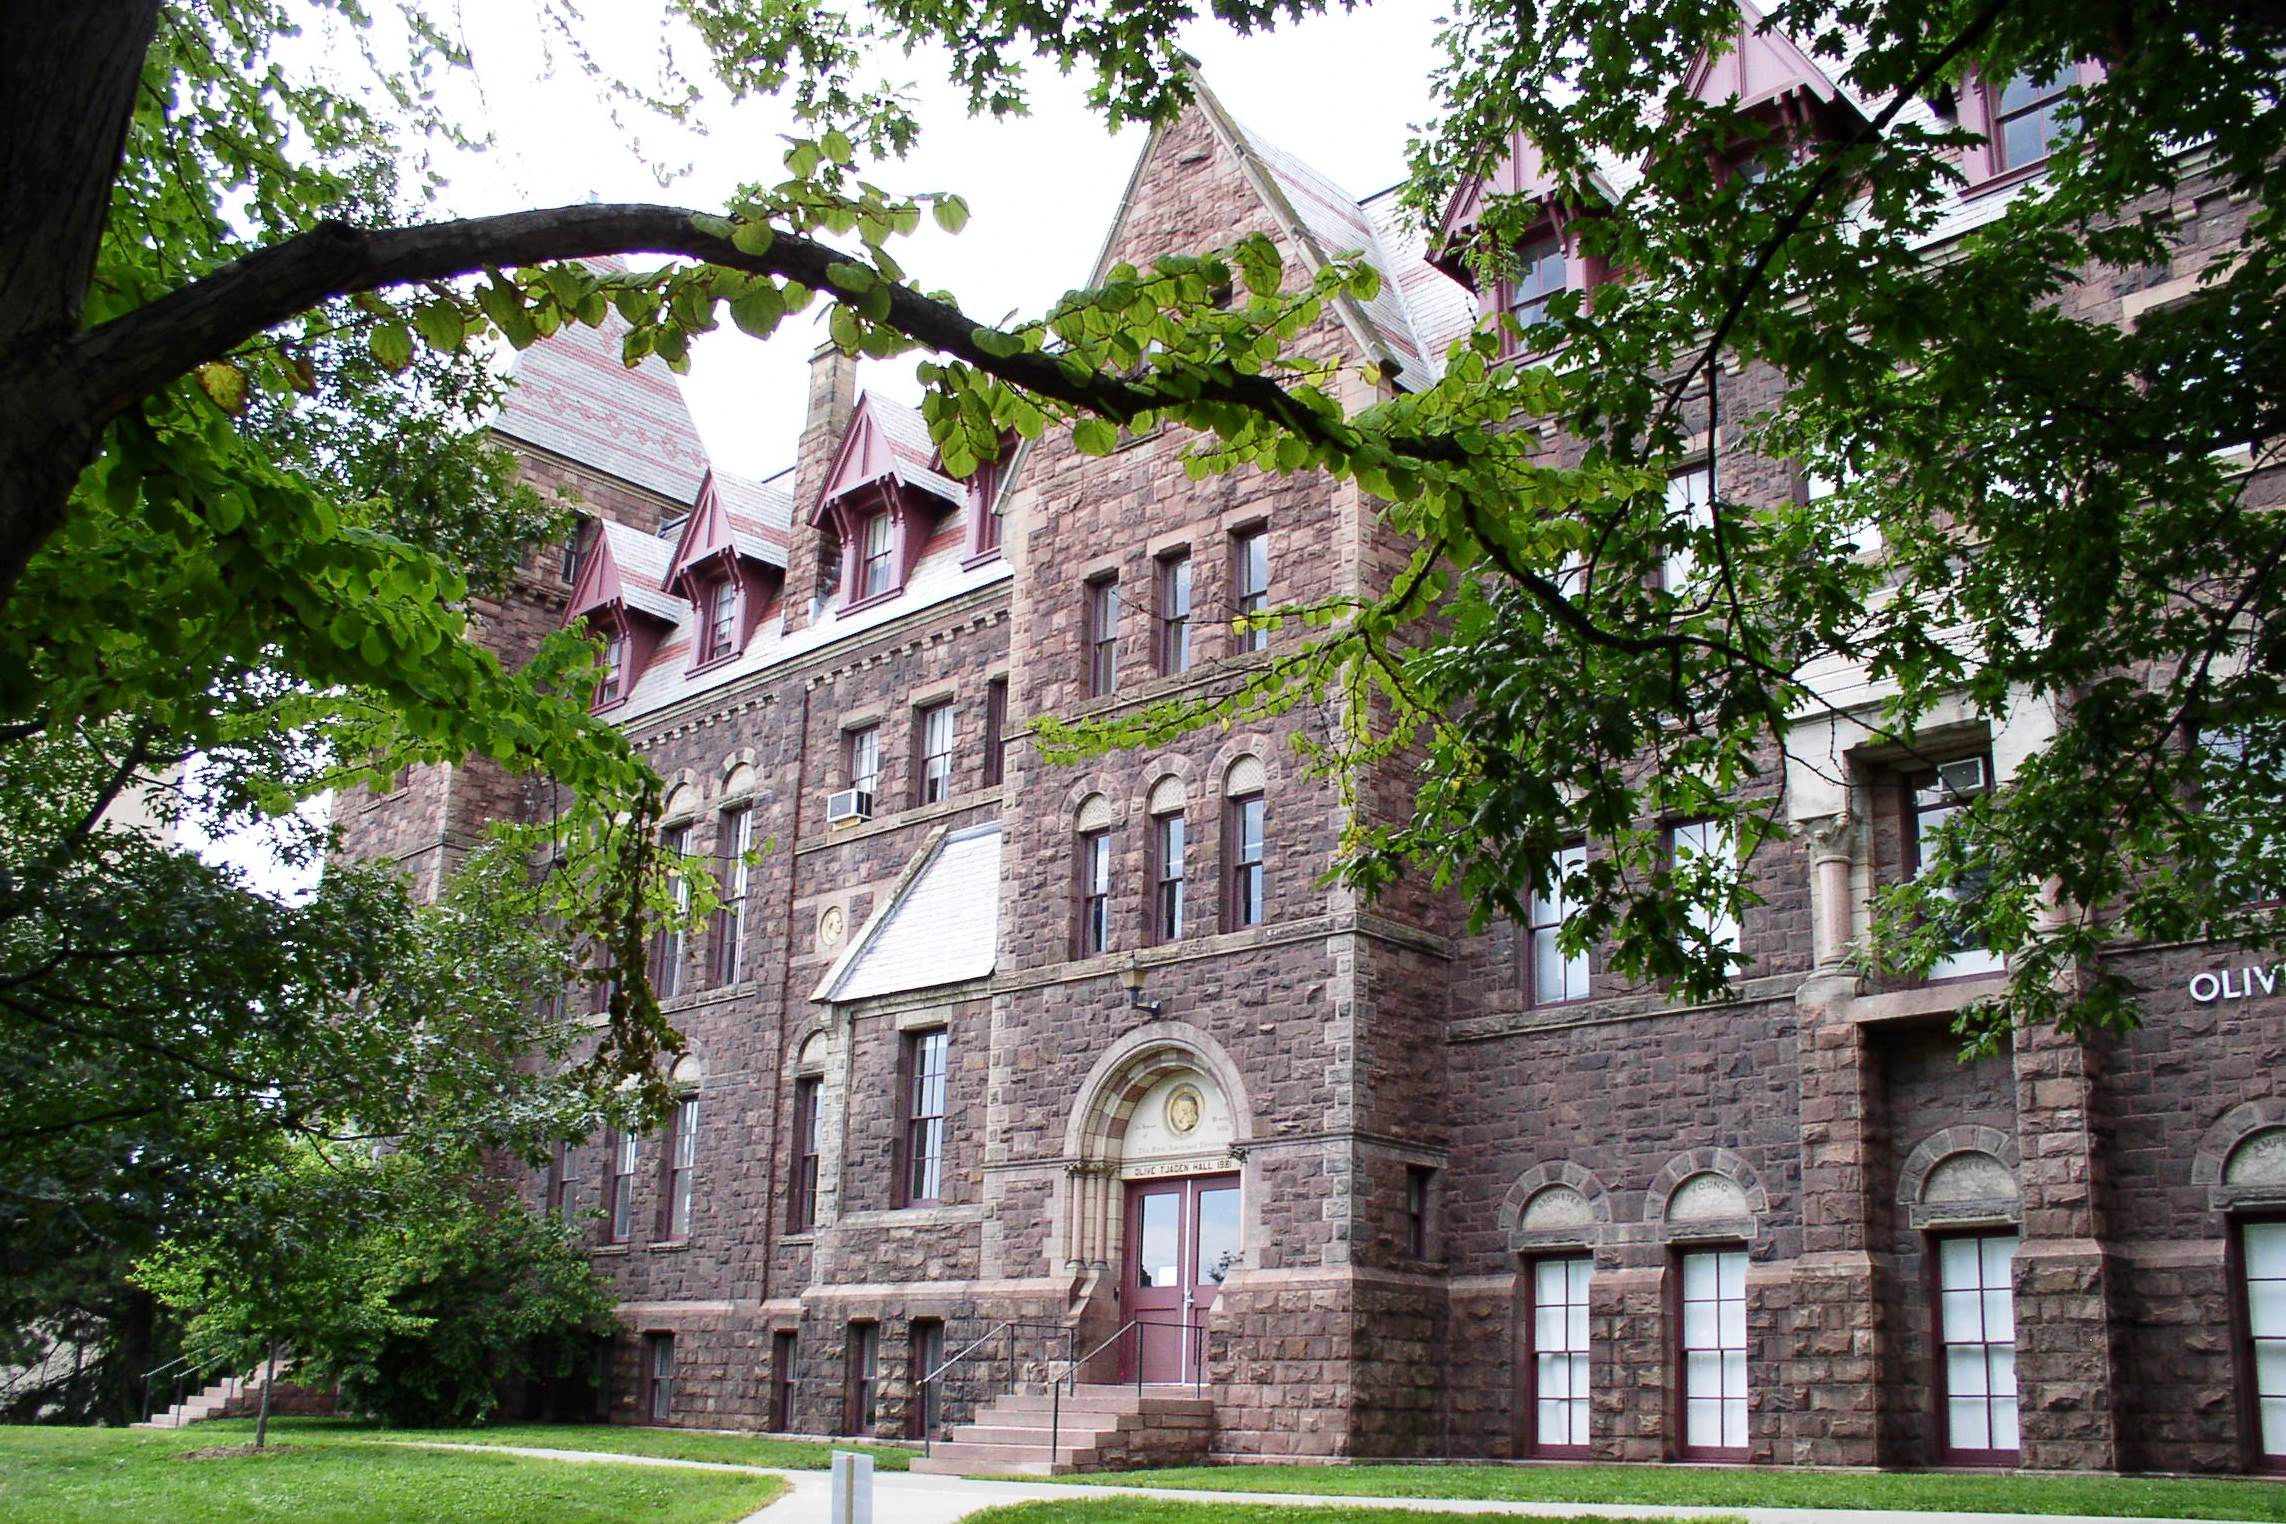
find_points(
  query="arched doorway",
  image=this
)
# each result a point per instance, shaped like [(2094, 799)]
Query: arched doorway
[(1166, 1214)]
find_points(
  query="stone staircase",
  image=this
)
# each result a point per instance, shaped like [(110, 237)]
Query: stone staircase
[(1103, 1428), (210, 1403)]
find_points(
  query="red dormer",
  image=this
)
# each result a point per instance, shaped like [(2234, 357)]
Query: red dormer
[(1766, 78), (882, 500), (620, 598), (729, 564), (1547, 257), (982, 491)]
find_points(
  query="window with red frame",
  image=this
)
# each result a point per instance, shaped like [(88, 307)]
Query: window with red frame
[(1250, 583), (2262, 1261), (1094, 932), (877, 574), (680, 1169), (1248, 876), (933, 778), (925, 1054), (863, 1379), (1553, 975), (802, 1202), (1557, 1335), (1102, 636), (612, 687), (1976, 1337), (722, 620), (995, 731), (619, 1188), (1168, 842), (659, 1362), (735, 834), (784, 1351), (563, 1181), (1541, 272), (2027, 119), (1713, 1349), (1174, 613)]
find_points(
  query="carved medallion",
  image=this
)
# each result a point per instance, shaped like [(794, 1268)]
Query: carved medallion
[(1183, 1107), (832, 927)]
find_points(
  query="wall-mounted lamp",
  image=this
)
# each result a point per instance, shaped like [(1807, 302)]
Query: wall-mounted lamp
[(1132, 973)]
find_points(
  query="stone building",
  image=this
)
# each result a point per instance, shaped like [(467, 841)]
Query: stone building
[(992, 1062)]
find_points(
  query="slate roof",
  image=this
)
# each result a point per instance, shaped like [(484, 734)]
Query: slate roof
[(642, 560), (940, 925), (572, 396)]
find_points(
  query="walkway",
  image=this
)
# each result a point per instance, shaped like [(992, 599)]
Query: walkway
[(902, 1498)]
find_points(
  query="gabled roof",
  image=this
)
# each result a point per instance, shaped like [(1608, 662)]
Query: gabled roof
[(626, 569), (572, 396), (1763, 65), (885, 442), (1521, 172), (715, 527), (938, 925)]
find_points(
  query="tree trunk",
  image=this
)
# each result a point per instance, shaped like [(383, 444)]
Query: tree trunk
[(262, 1415)]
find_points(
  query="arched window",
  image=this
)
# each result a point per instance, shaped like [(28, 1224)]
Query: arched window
[(1092, 877), (1245, 847)]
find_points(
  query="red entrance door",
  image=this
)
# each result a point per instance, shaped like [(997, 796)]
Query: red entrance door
[(1182, 1240)]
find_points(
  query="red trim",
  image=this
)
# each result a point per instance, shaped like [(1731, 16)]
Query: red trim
[(1933, 1286), (1528, 1350), (2251, 1453), (1678, 1390)]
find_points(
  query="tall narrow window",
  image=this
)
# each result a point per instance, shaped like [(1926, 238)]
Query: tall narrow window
[(736, 833), (1976, 1323), (1559, 1333), (1937, 797), (2262, 1247), (659, 1401), (863, 1378), (722, 620), (668, 947), (1693, 839), (925, 1117), (1175, 613), (1247, 876), (1094, 893), (784, 1351), (563, 1181), (1250, 583), (576, 546), (1555, 975), (877, 574), (802, 1203), (1420, 1182), (611, 687), (1168, 845), (1540, 274), (1714, 1352), (928, 1354), (1689, 494), (619, 1187), (679, 1161), (1102, 636), (995, 730), (2027, 119), (934, 733), (865, 759)]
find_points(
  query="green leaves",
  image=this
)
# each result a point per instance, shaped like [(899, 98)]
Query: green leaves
[(224, 385), (392, 344), (1094, 436)]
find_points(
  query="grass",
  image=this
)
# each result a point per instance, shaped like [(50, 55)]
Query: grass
[(1775, 1487), (1159, 1511), (101, 1476), (617, 1439)]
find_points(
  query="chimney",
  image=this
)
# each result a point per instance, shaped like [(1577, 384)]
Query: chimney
[(833, 396)]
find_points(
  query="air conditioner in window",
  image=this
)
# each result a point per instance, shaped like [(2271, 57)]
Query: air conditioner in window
[(848, 806)]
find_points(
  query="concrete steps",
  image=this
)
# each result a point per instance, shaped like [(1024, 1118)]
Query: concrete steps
[(1093, 1428), (203, 1404)]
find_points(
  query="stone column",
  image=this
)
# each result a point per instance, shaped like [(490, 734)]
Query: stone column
[(2066, 1374), (1834, 1337)]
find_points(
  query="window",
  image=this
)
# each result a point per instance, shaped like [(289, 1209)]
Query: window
[(1167, 848), (995, 730), (1174, 653), (1694, 839), (864, 1378), (1555, 975), (924, 1117), (2263, 1252), (1246, 869), (1420, 1180), (563, 1181), (802, 1205), (1714, 1352), (679, 1162), (928, 1353), (576, 547), (1558, 1334), (1689, 494), (1976, 1327), (659, 1374), (1095, 892), (611, 688), (1250, 583), (736, 834), (1937, 797), (784, 1350), (721, 620), (865, 759), (668, 947), (2027, 119), (934, 737), (1540, 274), (619, 1188), (877, 573), (1102, 636)]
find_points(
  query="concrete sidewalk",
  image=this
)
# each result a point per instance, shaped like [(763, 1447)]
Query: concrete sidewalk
[(902, 1498)]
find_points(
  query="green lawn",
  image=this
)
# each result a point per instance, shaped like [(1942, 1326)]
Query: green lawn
[(619, 1439), (103, 1476), (1158, 1511), (2117, 1496)]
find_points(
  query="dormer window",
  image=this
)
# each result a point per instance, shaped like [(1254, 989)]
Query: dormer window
[(878, 574), (1540, 273), (613, 686), (2027, 120), (722, 620)]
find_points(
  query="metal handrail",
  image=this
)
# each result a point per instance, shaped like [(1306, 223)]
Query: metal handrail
[(183, 1367), (1071, 1371), (1010, 1327)]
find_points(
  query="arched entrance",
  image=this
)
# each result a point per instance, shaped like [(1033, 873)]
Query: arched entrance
[(1167, 1205)]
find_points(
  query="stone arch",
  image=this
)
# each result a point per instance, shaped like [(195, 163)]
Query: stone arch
[(1974, 1172), (1081, 792), (1168, 794), (1539, 1186), (688, 1074), (1725, 1166), (2222, 1162), (812, 1053), (1247, 774), (740, 778), (680, 798), (1095, 813), (1242, 745)]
